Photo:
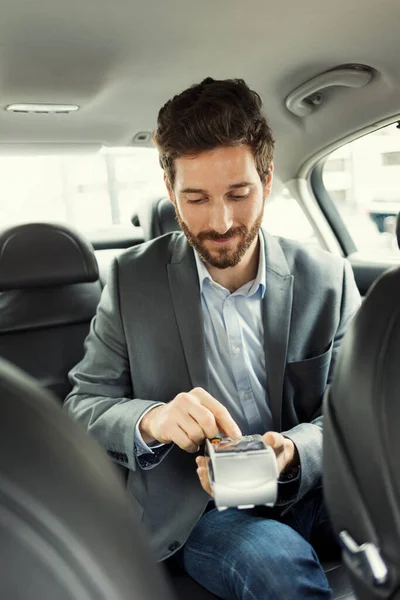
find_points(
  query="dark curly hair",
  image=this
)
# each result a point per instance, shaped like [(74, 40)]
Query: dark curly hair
[(210, 114)]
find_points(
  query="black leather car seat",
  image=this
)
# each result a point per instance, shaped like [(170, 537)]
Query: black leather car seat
[(49, 291), (362, 443), (156, 218), (68, 528)]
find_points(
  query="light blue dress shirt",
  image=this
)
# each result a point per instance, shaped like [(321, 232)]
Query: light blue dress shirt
[(234, 336)]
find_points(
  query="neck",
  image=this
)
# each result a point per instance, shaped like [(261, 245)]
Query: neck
[(233, 278)]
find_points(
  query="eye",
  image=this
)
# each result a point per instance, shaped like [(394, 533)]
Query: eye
[(196, 201), (239, 197)]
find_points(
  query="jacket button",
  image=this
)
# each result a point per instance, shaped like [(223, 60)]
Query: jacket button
[(173, 546)]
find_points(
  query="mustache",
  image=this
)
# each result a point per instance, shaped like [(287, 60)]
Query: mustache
[(219, 237)]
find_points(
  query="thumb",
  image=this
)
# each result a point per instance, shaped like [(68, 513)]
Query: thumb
[(273, 438)]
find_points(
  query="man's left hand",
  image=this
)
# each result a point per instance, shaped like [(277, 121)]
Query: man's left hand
[(283, 447), (202, 473)]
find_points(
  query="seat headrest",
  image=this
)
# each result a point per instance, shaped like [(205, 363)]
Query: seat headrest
[(156, 217), (44, 254), (66, 521), (166, 217)]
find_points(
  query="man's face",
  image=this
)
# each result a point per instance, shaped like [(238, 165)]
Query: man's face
[(219, 201)]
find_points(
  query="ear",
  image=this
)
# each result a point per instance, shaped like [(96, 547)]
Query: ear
[(268, 182), (169, 189)]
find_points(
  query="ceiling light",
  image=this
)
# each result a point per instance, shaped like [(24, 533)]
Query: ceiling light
[(42, 108)]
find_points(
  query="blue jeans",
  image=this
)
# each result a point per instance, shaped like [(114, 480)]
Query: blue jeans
[(260, 554)]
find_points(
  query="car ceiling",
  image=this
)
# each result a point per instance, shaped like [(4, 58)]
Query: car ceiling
[(122, 60)]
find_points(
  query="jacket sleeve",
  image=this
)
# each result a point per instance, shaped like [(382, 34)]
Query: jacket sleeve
[(102, 398), (308, 436)]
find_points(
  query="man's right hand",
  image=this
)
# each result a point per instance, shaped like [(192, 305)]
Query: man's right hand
[(188, 420)]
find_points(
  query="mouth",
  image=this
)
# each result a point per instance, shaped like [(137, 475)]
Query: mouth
[(220, 242), (223, 242)]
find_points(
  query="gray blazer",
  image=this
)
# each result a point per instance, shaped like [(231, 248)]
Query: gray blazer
[(146, 345)]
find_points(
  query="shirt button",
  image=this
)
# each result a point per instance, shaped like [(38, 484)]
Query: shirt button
[(236, 350), (246, 396)]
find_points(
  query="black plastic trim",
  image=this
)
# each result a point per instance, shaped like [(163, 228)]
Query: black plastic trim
[(330, 211)]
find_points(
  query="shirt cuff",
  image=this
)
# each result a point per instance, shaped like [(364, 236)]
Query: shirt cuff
[(140, 445)]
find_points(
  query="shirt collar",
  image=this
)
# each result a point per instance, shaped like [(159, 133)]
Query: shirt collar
[(258, 282)]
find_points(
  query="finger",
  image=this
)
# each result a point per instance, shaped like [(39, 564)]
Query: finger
[(190, 404), (277, 442), (202, 474), (180, 438), (274, 439), (204, 418), (201, 461), (223, 418), (192, 429), (202, 464)]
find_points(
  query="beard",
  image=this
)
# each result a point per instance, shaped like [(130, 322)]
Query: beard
[(222, 258)]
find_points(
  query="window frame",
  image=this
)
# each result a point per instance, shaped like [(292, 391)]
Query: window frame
[(329, 209), (313, 171)]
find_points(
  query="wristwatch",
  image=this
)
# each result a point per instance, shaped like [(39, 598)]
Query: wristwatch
[(243, 473)]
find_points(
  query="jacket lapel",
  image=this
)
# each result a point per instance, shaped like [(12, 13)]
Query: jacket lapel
[(185, 293), (277, 307)]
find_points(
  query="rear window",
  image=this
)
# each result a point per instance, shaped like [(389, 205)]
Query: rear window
[(88, 192), (102, 190)]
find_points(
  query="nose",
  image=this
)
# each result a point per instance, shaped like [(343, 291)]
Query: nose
[(220, 218)]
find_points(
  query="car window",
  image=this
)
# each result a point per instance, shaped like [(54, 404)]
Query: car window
[(283, 216), (363, 179), (88, 192), (101, 190)]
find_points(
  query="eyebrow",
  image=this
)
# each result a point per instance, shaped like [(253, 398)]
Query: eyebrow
[(233, 186)]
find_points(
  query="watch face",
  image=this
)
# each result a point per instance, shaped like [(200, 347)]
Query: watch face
[(244, 444)]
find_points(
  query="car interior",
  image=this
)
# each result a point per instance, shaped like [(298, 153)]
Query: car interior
[(81, 84)]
